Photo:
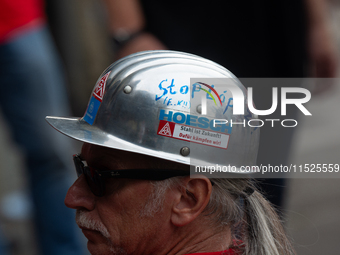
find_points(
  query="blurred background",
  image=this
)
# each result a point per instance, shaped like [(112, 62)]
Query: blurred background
[(82, 34)]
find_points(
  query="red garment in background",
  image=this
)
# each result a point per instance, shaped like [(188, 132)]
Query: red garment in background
[(16, 15)]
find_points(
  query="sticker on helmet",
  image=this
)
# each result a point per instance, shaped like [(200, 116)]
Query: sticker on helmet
[(194, 121), (191, 134), (99, 89), (96, 99), (166, 130)]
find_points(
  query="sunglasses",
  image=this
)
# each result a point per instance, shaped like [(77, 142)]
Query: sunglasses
[(96, 179)]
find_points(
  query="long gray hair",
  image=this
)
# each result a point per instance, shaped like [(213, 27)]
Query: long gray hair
[(254, 223), (236, 203)]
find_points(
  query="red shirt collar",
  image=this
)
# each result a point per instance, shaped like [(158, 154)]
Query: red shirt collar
[(226, 252)]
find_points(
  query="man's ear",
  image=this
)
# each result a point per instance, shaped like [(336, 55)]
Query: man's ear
[(190, 200)]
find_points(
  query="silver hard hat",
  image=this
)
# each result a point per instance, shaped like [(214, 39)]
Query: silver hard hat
[(163, 104)]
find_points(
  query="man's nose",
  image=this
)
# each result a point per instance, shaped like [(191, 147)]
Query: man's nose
[(79, 195)]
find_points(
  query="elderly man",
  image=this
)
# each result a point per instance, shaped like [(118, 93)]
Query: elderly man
[(145, 125)]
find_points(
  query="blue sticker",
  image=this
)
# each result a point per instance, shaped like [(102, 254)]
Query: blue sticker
[(92, 110)]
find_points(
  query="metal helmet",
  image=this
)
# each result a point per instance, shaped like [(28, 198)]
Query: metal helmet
[(164, 104)]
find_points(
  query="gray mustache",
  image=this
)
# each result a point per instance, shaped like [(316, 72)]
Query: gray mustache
[(83, 220)]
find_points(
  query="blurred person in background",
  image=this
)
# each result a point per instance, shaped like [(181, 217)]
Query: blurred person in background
[(31, 84), (253, 39)]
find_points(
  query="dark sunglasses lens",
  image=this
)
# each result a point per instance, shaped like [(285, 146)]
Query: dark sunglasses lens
[(94, 181), (79, 165)]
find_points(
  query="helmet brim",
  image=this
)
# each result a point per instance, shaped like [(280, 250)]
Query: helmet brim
[(80, 130)]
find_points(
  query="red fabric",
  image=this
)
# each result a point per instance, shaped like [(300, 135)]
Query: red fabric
[(226, 252), (15, 14)]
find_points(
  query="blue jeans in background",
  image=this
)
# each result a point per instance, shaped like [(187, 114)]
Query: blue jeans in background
[(32, 86)]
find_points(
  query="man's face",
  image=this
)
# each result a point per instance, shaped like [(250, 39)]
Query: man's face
[(115, 223)]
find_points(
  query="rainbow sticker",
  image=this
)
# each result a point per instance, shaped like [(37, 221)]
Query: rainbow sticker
[(209, 93)]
